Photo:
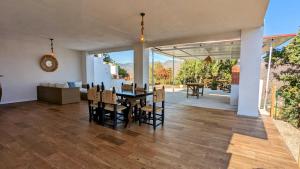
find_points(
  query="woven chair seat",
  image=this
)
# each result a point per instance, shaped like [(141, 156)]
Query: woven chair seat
[(111, 108), (121, 100), (94, 105), (149, 108)]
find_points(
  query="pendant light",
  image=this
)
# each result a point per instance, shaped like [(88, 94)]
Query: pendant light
[(142, 38), (52, 48), (208, 59)]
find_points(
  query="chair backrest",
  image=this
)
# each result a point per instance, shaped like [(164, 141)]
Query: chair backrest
[(127, 87), (140, 89), (94, 94), (158, 95), (109, 97)]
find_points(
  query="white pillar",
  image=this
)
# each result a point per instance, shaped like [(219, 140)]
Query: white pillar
[(268, 76), (141, 64), (251, 51), (87, 68), (234, 95)]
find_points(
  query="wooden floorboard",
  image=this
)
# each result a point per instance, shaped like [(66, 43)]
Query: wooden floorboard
[(40, 135)]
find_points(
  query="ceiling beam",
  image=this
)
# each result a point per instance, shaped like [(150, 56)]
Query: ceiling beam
[(108, 50)]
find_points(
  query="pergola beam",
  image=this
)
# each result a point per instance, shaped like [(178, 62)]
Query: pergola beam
[(184, 52), (161, 52), (211, 54), (196, 47)]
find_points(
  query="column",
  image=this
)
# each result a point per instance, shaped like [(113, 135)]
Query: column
[(250, 59), (87, 67), (141, 64)]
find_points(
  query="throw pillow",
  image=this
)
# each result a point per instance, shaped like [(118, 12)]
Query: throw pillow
[(71, 84)]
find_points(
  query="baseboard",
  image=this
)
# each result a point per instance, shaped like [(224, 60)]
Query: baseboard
[(20, 100)]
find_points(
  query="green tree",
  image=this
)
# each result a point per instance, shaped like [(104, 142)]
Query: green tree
[(215, 69), (107, 58), (225, 69), (195, 71), (161, 74), (122, 72), (188, 72), (289, 57)]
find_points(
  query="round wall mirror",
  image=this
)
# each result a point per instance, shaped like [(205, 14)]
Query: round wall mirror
[(49, 63)]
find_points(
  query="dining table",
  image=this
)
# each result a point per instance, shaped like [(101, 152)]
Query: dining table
[(132, 97), (195, 89)]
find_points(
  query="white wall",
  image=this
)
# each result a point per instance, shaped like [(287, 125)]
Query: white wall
[(19, 63), (102, 72), (251, 51), (89, 69)]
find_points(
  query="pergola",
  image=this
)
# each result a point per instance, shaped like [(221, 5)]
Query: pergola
[(217, 49), (227, 49)]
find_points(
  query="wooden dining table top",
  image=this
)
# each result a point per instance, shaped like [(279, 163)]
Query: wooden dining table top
[(195, 84)]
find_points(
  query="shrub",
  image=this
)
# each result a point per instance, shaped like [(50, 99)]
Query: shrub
[(290, 92)]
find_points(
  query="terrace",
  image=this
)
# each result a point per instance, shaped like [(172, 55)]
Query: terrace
[(62, 110)]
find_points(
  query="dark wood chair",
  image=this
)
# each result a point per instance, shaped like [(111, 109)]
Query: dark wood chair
[(141, 102), (157, 113), (113, 112), (94, 102), (125, 88)]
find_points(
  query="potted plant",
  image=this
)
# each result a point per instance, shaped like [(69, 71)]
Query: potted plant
[(214, 84), (106, 58)]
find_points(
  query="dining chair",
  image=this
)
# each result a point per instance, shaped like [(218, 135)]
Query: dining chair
[(102, 87), (140, 102), (94, 102), (113, 113), (156, 110), (127, 87)]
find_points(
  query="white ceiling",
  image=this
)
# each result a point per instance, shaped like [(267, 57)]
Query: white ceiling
[(97, 24)]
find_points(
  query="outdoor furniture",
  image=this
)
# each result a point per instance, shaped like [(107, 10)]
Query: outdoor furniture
[(224, 85), (207, 82), (94, 102), (131, 98), (154, 109), (112, 113), (195, 89)]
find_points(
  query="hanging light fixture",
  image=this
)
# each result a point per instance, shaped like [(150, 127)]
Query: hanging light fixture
[(142, 38), (52, 48), (208, 59)]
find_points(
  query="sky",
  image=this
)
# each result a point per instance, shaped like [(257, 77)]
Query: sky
[(282, 17)]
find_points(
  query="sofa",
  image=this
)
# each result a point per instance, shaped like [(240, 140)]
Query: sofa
[(58, 95), (83, 92)]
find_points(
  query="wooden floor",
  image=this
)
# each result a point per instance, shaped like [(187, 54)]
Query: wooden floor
[(39, 135)]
